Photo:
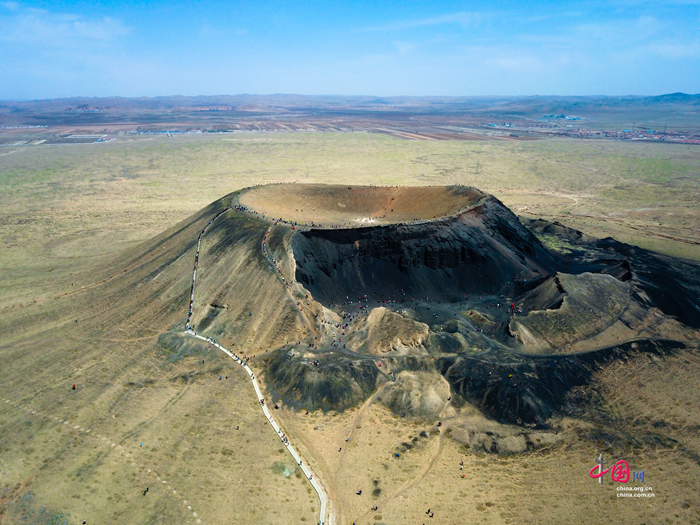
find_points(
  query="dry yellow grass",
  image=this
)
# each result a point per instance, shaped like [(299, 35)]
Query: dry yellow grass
[(77, 310), (131, 388), (548, 486)]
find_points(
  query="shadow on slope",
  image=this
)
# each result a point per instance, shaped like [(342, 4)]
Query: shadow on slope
[(480, 250)]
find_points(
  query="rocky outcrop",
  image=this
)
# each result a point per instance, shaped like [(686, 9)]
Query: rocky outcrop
[(528, 390), (477, 251), (333, 382)]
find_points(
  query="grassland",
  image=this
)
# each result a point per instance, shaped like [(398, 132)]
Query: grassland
[(69, 213), (542, 487), (68, 208)]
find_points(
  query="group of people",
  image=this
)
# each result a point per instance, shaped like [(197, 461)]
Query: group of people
[(347, 316), (237, 208), (188, 324), (242, 361), (271, 257)]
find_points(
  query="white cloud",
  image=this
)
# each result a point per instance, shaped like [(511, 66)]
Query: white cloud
[(520, 64), (10, 6), (675, 50), (27, 25), (463, 19), (404, 47), (622, 30), (656, 3)]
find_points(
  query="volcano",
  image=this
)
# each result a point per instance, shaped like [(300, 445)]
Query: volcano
[(338, 290)]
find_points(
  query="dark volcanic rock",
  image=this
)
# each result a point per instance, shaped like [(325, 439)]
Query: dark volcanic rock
[(528, 390), (481, 251), (331, 384), (669, 284), (477, 251), (599, 292)]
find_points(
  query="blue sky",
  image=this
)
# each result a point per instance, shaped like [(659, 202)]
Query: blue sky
[(150, 48)]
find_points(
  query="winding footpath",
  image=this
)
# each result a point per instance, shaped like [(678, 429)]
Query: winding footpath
[(315, 483)]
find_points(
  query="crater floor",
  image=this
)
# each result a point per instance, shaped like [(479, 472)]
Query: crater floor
[(347, 206)]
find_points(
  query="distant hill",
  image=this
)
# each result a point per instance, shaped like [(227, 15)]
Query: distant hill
[(224, 111), (294, 100)]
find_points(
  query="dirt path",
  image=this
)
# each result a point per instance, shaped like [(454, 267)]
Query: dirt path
[(272, 261), (315, 483), (355, 422), (409, 484), (420, 477)]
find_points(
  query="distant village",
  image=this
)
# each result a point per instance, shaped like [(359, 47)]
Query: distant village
[(546, 128)]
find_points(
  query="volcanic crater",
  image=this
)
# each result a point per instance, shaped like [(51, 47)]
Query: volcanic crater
[(430, 299)]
